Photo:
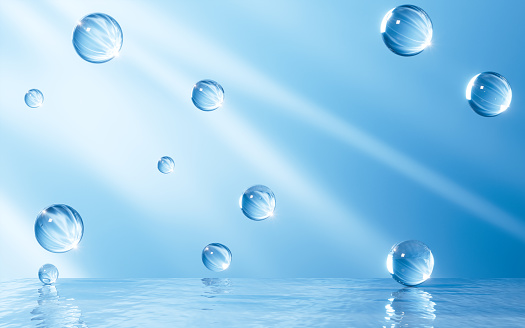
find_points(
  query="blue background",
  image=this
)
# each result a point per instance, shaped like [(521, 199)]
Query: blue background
[(363, 148)]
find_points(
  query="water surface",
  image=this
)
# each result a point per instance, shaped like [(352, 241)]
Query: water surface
[(214, 302)]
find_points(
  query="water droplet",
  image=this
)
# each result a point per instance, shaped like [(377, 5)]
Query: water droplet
[(257, 203), (406, 30), (216, 257), (207, 95), (489, 94), (48, 274), (59, 228), (166, 164), (410, 262), (97, 38), (34, 98)]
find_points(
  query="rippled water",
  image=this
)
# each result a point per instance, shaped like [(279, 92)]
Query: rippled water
[(262, 303)]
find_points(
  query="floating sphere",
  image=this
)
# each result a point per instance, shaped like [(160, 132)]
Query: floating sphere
[(59, 228), (97, 38), (48, 274), (34, 98), (410, 262), (489, 94), (166, 164), (257, 203), (207, 95), (406, 30), (216, 257)]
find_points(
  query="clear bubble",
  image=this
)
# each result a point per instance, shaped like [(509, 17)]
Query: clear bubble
[(48, 274), (216, 257), (97, 38), (59, 228), (207, 95), (410, 262), (34, 98), (166, 164), (406, 30), (257, 203), (489, 94)]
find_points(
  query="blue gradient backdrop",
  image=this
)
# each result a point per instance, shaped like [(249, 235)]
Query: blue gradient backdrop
[(361, 147)]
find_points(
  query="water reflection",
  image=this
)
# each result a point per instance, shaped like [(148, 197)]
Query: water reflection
[(410, 307), (56, 312), (215, 286)]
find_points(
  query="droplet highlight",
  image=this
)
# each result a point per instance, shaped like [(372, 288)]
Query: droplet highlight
[(207, 95), (97, 38), (216, 257), (166, 165), (48, 274), (34, 98), (406, 30), (489, 94), (257, 203), (59, 228), (410, 262)]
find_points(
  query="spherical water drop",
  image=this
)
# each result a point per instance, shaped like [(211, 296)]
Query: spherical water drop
[(59, 228), (207, 95), (216, 257), (410, 262), (489, 94), (406, 30), (257, 203), (166, 164), (48, 274), (97, 38), (34, 98)]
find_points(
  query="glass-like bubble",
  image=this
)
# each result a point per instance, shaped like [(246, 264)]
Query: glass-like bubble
[(97, 38), (48, 274), (207, 95), (34, 98), (406, 30), (59, 228), (257, 203), (410, 262), (216, 257), (489, 94), (166, 164)]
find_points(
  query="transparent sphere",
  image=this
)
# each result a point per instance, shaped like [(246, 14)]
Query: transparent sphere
[(166, 164), (97, 38), (59, 228), (207, 95), (410, 262), (489, 94), (406, 30), (34, 98), (48, 274), (257, 203), (216, 257)]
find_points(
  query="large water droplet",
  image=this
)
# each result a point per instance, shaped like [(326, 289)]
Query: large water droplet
[(207, 95), (406, 30), (166, 164), (34, 98), (48, 274), (59, 228), (258, 203), (216, 257), (489, 94), (410, 262), (97, 38)]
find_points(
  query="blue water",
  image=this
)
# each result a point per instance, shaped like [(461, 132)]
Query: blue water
[(262, 303)]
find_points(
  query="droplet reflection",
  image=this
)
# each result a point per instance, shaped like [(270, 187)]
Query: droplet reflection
[(410, 307)]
